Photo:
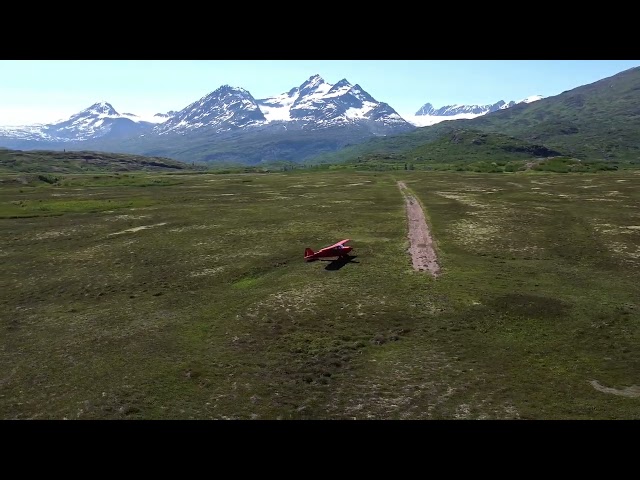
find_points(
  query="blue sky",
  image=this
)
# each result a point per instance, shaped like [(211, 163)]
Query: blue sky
[(43, 91)]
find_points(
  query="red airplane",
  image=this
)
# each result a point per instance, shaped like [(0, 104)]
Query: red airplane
[(336, 250)]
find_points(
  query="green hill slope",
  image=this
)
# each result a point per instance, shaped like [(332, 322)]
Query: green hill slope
[(476, 145), (462, 150), (596, 121), (44, 161)]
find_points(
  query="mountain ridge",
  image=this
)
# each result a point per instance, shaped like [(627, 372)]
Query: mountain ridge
[(290, 106), (428, 115), (222, 115)]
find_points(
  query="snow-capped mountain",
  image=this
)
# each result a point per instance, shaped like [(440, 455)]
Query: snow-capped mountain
[(225, 109), (97, 121), (429, 115), (33, 133), (317, 104), (451, 110)]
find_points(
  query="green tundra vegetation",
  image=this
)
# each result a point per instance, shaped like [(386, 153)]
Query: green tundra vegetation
[(49, 161), (182, 294)]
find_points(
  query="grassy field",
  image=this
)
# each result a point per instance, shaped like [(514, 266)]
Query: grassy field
[(186, 297)]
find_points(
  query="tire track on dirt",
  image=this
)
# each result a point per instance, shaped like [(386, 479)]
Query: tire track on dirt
[(423, 254)]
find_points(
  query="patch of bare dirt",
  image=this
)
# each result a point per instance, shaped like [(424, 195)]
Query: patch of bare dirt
[(423, 254), (632, 392), (137, 229)]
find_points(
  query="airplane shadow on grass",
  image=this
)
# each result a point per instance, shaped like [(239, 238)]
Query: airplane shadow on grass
[(339, 262)]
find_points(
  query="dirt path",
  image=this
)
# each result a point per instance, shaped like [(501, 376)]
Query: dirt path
[(423, 255)]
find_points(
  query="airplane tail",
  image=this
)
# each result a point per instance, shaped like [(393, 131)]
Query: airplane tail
[(308, 251)]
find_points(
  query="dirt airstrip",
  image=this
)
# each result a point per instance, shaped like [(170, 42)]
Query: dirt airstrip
[(423, 254)]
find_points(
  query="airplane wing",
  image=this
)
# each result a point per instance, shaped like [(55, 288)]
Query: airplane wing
[(341, 242)]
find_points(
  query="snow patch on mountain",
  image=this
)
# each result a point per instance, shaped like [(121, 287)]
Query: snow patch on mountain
[(29, 132), (148, 119), (276, 113), (428, 120), (532, 98), (277, 108)]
